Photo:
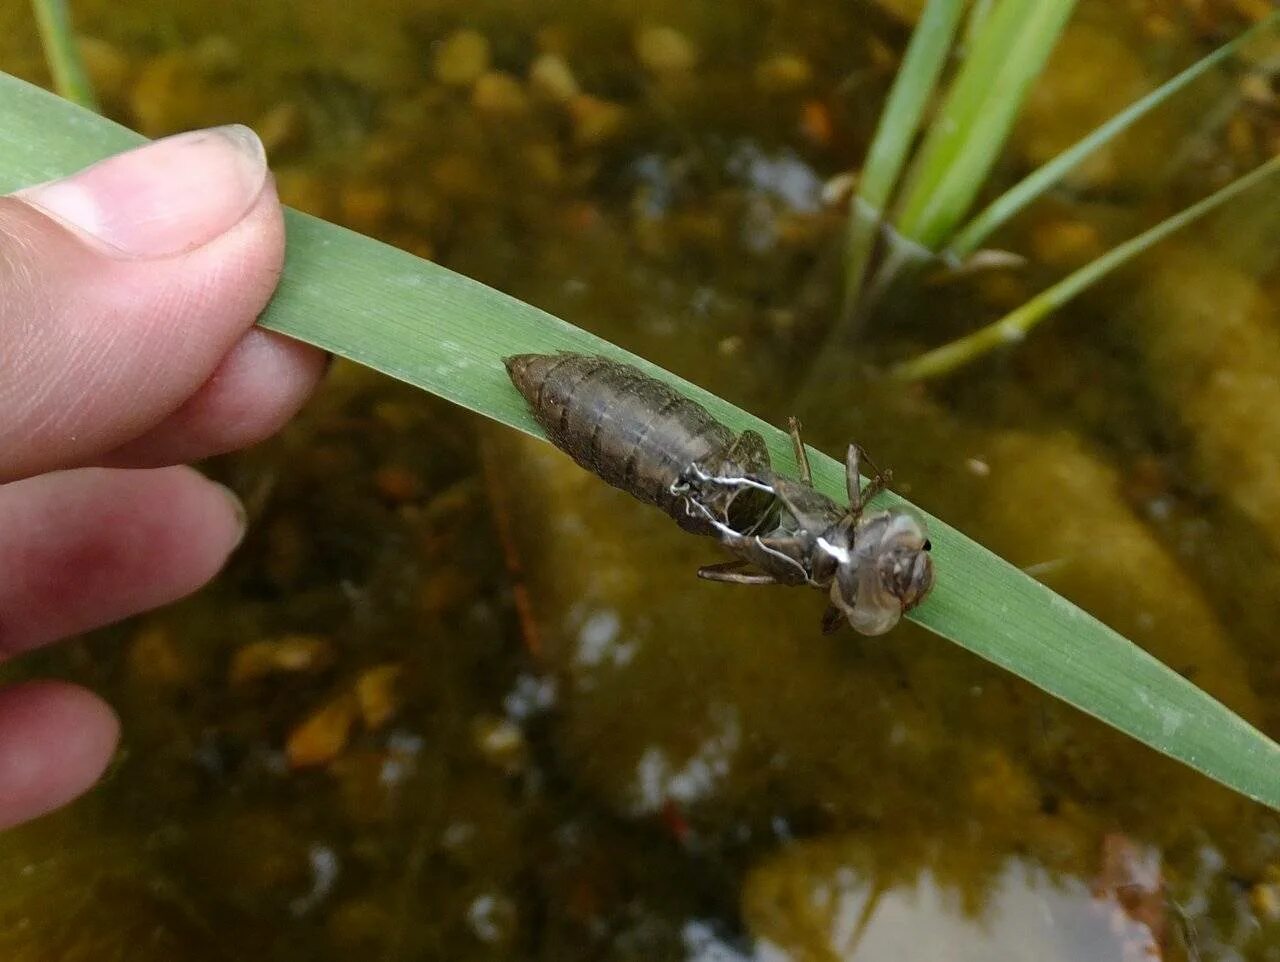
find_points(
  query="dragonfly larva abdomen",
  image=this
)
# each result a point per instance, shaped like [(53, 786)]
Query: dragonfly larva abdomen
[(632, 430)]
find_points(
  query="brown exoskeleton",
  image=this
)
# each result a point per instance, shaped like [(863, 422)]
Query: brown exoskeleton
[(873, 566), (640, 435)]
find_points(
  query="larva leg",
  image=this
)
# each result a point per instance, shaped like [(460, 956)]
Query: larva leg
[(831, 620), (802, 456), (879, 479), (728, 573)]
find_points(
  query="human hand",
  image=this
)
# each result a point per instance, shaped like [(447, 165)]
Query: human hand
[(128, 294)]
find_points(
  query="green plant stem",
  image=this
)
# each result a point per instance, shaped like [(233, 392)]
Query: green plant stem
[(899, 121), (447, 334), (979, 10), (1016, 325), (1018, 197), (970, 130), (70, 79)]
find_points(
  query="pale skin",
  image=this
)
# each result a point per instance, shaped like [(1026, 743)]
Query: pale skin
[(128, 296)]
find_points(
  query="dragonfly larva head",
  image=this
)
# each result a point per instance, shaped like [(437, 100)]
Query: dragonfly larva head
[(888, 571)]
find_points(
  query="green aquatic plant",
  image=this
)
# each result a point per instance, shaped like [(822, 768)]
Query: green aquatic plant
[(1018, 323), (1007, 43), (899, 122), (1044, 178), (61, 52), (973, 122), (446, 334), (1006, 46)]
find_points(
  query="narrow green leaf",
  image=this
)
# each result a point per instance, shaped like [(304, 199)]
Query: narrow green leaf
[(446, 334), (899, 121), (1015, 325), (1005, 207), (979, 10), (970, 130), (61, 53)]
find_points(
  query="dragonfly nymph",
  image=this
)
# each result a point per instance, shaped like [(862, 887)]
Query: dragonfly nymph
[(641, 435)]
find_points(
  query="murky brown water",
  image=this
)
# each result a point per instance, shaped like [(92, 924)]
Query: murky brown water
[(455, 699)]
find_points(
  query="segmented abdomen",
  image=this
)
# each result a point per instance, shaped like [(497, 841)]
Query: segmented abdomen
[(632, 430)]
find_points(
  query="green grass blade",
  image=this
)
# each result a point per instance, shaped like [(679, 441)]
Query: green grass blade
[(446, 334), (61, 52), (1015, 325), (899, 121), (979, 10), (1009, 204), (964, 140)]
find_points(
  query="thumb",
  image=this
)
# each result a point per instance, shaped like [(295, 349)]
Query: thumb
[(122, 287)]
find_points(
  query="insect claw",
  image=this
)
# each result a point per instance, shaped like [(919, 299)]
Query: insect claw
[(831, 619)]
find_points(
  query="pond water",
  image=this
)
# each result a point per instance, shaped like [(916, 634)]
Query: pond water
[(456, 699)]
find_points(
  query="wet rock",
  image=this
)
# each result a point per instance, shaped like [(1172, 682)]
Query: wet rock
[(322, 736), (109, 67), (908, 11), (784, 73), (458, 177), (186, 88), (305, 190), (493, 917), (282, 129), (1002, 787), (595, 121), (95, 899), (828, 899), (377, 694), (1065, 243), (499, 94), (367, 796), (543, 163), (1092, 75), (1264, 899), (362, 925), (365, 206), (665, 51), (462, 58), (1131, 883), (728, 701), (291, 655), (815, 122), (255, 853), (1053, 506), (397, 484), (156, 659), (500, 742), (722, 699), (551, 78), (1208, 334), (216, 57), (446, 588)]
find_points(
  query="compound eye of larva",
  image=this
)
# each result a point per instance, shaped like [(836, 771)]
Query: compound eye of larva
[(890, 572)]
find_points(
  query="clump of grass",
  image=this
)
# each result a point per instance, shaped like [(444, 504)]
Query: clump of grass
[(1017, 324), (962, 142), (1009, 41)]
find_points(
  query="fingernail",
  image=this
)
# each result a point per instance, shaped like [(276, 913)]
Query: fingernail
[(242, 516), (164, 198)]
